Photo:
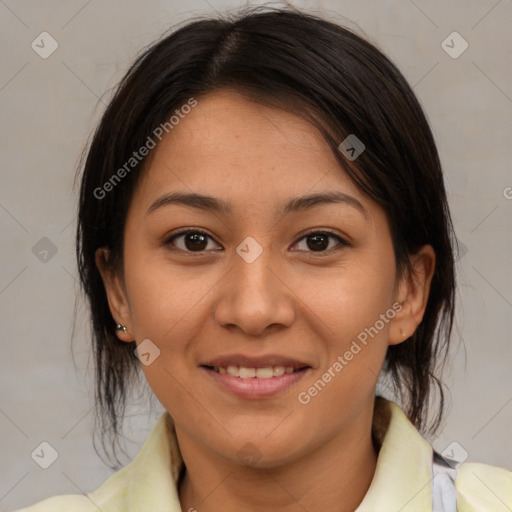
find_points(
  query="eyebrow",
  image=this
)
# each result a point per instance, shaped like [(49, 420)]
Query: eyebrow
[(296, 204)]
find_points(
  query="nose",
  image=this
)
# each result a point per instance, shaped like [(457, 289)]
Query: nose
[(254, 297)]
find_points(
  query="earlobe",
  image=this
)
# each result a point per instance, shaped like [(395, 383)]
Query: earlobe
[(398, 331), (413, 293), (116, 295)]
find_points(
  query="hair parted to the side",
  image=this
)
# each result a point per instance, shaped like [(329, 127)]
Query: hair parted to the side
[(341, 83)]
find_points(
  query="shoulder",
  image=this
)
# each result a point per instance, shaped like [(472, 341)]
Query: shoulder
[(481, 487), (63, 503), (111, 495), (146, 483)]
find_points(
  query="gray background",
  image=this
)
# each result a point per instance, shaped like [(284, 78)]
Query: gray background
[(49, 106)]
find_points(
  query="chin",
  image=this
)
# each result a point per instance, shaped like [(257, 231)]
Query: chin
[(265, 449)]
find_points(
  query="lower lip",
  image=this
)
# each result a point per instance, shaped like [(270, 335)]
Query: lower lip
[(254, 387)]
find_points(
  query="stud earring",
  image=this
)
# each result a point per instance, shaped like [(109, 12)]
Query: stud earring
[(121, 327)]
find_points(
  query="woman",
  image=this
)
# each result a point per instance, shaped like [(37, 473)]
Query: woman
[(263, 230)]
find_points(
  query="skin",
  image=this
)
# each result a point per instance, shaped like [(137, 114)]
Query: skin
[(291, 300)]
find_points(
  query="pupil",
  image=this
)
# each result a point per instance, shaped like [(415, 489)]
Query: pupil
[(319, 242), (195, 241)]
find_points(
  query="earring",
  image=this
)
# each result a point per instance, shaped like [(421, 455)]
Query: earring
[(121, 328), (402, 333)]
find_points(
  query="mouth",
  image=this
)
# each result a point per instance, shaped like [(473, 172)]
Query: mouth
[(245, 372), (255, 378)]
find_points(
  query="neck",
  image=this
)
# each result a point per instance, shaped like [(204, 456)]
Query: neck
[(335, 476)]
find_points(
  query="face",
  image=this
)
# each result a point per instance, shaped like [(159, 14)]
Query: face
[(268, 314)]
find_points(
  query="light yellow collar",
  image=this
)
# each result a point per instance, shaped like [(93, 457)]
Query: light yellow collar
[(403, 477), (402, 480)]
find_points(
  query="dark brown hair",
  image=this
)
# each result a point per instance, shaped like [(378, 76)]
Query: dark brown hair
[(343, 85)]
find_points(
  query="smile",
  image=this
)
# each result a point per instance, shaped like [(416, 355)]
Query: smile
[(255, 383), (244, 372)]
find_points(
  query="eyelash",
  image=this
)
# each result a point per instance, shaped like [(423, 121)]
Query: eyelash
[(330, 234)]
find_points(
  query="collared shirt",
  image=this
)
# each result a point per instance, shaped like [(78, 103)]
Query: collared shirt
[(403, 479)]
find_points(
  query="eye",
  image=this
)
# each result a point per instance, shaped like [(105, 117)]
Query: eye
[(319, 241), (197, 241), (189, 241)]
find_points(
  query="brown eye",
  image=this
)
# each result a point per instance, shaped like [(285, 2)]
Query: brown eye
[(195, 241), (189, 241), (320, 241)]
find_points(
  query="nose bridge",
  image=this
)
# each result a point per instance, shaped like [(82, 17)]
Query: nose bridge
[(254, 275), (252, 296), (251, 262)]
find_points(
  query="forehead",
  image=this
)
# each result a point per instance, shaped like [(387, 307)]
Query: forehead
[(228, 145)]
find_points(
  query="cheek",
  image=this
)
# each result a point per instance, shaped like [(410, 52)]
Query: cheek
[(168, 307), (163, 298), (345, 383), (352, 297), (355, 304)]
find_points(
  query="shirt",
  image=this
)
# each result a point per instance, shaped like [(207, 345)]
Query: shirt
[(405, 478)]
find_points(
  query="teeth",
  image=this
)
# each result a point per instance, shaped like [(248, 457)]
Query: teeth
[(250, 373), (278, 371), (247, 373), (233, 371), (264, 373)]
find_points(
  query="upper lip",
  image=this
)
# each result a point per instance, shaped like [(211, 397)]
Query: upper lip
[(263, 361)]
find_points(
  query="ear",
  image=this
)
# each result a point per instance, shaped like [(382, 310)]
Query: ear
[(116, 294), (412, 293)]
